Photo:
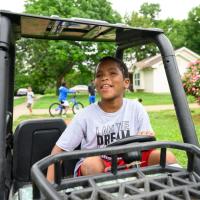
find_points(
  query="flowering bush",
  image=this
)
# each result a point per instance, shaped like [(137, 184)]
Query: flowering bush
[(191, 80)]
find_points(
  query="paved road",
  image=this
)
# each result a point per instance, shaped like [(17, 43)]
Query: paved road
[(22, 110)]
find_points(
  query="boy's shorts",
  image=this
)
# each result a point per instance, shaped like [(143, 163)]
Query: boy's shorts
[(107, 163), (65, 103), (29, 105), (92, 99)]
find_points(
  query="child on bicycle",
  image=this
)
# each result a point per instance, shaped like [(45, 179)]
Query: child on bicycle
[(63, 94), (110, 119)]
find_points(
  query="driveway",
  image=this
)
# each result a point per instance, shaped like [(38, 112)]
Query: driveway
[(22, 110)]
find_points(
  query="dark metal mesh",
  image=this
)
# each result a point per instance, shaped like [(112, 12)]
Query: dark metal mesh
[(158, 182), (176, 184)]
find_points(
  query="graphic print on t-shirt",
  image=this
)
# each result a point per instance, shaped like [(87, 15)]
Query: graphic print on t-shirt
[(110, 133)]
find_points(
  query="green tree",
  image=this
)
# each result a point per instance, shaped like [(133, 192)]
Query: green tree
[(146, 18), (48, 62), (175, 30), (193, 30), (150, 10)]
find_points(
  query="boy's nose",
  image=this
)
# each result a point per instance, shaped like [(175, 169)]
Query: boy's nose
[(104, 77)]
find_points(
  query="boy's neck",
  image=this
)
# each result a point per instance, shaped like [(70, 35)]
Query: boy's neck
[(111, 105)]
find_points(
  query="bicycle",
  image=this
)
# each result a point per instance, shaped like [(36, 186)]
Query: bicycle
[(57, 109)]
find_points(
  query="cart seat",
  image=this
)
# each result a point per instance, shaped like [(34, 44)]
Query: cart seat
[(33, 140)]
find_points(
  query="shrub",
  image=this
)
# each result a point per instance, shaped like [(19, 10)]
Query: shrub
[(191, 80)]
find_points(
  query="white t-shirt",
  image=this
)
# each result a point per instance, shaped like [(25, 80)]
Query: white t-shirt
[(94, 128), (30, 96)]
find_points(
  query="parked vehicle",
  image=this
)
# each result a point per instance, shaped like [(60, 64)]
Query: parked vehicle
[(80, 88), (22, 92), (23, 162)]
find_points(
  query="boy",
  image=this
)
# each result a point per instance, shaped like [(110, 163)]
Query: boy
[(113, 117), (63, 93), (91, 91), (30, 96)]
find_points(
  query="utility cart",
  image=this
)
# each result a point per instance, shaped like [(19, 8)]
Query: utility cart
[(24, 154)]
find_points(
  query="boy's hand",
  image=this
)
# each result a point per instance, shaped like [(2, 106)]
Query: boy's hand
[(150, 133)]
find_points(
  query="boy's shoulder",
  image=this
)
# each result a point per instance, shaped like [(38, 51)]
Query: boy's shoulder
[(132, 104), (131, 101), (88, 112), (88, 109)]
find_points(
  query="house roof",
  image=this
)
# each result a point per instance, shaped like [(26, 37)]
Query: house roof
[(149, 62)]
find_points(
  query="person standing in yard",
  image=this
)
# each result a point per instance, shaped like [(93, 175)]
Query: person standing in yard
[(30, 97), (91, 91)]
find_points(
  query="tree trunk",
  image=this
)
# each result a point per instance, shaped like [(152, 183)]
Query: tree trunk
[(60, 78), (58, 84)]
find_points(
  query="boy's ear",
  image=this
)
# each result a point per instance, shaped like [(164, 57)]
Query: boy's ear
[(126, 83)]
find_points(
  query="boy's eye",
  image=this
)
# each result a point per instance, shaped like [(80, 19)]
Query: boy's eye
[(98, 75), (113, 73)]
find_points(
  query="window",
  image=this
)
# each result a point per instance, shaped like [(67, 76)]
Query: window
[(137, 79)]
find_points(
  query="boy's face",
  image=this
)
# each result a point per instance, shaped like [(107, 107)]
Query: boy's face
[(29, 89), (109, 80)]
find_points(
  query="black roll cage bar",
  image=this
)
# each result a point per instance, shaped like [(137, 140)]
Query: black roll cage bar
[(126, 37)]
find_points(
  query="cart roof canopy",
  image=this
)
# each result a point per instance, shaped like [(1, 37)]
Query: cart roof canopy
[(79, 29)]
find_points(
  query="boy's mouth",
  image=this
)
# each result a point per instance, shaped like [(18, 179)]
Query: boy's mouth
[(105, 86)]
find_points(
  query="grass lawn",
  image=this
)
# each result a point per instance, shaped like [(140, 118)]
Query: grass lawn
[(166, 127), (19, 101), (148, 99), (30, 117), (155, 99), (164, 124)]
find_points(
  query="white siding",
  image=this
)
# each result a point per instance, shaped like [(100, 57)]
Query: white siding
[(160, 80), (148, 77), (182, 64)]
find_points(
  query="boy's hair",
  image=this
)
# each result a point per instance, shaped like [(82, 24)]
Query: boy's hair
[(122, 66), (63, 83)]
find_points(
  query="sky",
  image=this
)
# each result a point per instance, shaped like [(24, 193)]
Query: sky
[(177, 9)]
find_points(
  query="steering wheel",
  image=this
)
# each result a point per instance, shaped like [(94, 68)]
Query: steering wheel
[(134, 155), (132, 139)]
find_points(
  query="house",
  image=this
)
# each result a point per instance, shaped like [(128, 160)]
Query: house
[(149, 74)]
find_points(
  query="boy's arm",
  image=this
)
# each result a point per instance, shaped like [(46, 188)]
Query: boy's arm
[(72, 91), (144, 123), (50, 171)]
